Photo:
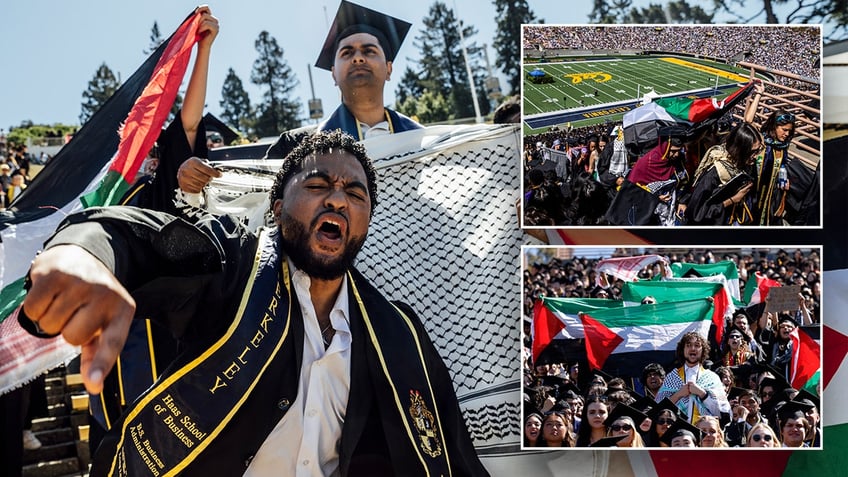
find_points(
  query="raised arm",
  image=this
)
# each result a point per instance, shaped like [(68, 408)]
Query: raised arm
[(754, 103), (195, 96)]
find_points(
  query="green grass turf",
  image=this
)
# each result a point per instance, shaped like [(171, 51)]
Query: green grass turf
[(615, 80)]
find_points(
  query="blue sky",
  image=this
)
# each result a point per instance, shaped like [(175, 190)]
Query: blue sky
[(51, 49)]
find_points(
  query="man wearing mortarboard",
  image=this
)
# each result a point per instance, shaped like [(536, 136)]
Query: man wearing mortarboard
[(359, 50)]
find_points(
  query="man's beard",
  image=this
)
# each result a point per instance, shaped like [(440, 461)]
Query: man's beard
[(295, 242)]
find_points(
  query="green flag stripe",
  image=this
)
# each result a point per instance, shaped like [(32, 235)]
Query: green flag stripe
[(660, 314), (831, 460), (725, 267), (668, 291), (573, 306), (111, 189), (11, 296)]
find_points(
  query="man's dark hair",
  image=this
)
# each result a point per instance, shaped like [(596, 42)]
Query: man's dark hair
[(693, 336), (652, 368), (319, 143), (508, 112)]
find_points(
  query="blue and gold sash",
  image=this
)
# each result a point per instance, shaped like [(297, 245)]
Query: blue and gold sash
[(182, 413)]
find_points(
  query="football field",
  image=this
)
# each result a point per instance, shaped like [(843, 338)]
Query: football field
[(598, 90)]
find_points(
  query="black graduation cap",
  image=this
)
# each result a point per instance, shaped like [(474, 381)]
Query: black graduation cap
[(770, 407), (735, 392), (786, 317), (735, 328), (351, 19), (621, 410), (604, 375), (554, 381), (793, 409), (692, 273), (597, 291), (643, 404), (804, 396), (569, 390), (666, 403), (608, 441), (679, 428), (777, 383)]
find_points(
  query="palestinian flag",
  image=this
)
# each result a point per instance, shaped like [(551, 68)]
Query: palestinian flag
[(556, 320), (725, 268), (695, 110), (623, 340), (756, 291), (95, 168), (805, 366), (673, 291)]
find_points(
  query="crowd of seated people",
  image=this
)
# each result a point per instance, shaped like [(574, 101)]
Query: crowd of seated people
[(598, 409)]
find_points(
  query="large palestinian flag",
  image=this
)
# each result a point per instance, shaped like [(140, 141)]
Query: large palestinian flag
[(557, 327), (622, 341), (93, 169)]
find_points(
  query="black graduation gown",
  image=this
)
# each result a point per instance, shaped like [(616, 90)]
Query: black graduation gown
[(193, 277)]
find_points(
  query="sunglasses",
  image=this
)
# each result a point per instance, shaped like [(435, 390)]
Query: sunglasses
[(663, 421), (761, 437), (786, 118), (622, 427)]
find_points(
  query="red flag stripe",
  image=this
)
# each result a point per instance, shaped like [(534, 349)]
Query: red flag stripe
[(151, 108), (805, 358), (600, 341), (720, 305), (545, 326)]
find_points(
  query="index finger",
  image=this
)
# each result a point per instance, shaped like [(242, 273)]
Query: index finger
[(99, 355)]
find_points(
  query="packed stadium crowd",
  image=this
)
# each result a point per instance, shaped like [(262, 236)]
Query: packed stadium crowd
[(730, 392), (795, 50)]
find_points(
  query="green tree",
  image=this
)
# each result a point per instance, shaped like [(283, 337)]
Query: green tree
[(279, 111), (427, 107), (155, 39), (681, 12), (408, 87), (100, 89), (235, 103), (442, 68), (653, 13), (616, 11), (833, 13), (510, 15)]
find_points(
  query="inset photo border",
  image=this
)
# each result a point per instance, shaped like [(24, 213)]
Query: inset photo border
[(671, 126), (672, 346)]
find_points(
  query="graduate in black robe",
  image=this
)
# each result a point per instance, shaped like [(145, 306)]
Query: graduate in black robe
[(227, 294)]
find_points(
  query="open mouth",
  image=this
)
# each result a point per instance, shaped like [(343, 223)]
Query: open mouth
[(331, 227)]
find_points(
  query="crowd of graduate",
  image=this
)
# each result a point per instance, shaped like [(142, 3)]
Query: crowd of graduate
[(567, 404), (728, 173)]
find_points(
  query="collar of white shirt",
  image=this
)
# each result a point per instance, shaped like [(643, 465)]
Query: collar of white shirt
[(378, 129)]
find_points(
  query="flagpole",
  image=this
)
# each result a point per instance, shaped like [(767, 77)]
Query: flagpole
[(479, 118)]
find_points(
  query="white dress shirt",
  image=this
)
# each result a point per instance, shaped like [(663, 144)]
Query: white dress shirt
[(378, 129), (306, 440)]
